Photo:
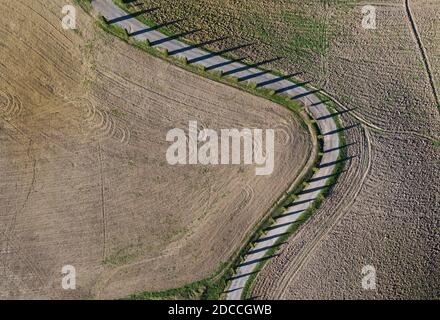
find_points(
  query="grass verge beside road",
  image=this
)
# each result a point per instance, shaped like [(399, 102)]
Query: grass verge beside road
[(213, 287), (247, 290)]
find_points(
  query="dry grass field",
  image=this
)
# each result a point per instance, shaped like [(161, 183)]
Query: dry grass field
[(384, 209), (83, 175), (84, 179), (324, 41)]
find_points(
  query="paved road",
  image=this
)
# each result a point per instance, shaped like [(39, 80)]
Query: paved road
[(315, 107)]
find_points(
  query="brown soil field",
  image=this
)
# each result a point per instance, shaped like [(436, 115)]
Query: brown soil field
[(384, 209), (375, 71), (84, 179), (426, 13), (383, 212)]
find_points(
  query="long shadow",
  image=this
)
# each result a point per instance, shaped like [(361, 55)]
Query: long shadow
[(279, 226), (177, 36), (255, 261), (335, 114), (277, 79), (326, 176), (316, 189), (253, 75), (195, 46), (288, 214), (218, 53), (319, 103), (243, 275), (302, 95), (299, 221), (250, 66), (265, 248), (133, 4), (341, 129), (130, 15), (232, 290), (252, 298), (295, 203), (340, 147), (224, 64), (328, 164), (156, 27), (293, 86), (271, 237)]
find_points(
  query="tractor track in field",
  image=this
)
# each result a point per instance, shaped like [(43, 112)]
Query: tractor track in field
[(328, 225), (280, 275), (422, 49), (306, 96)]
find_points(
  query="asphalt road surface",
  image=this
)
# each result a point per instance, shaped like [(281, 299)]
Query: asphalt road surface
[(318, 110)]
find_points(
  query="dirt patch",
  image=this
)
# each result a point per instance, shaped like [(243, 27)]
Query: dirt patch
[(85, 180)]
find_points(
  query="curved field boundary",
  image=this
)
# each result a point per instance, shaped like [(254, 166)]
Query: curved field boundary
[(324, 118), (422, 50)]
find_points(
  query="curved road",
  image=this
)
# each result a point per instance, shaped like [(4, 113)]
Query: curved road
[(313, 104)]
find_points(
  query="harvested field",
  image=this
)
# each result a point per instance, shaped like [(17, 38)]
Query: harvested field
[(84, 178), (426, 14), (384, 209), (390, 225), (324, 40), (389, 222)]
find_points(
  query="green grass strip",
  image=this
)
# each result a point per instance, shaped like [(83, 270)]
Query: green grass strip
[(213, 287)]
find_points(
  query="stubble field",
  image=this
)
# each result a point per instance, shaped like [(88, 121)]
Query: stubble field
[(84, 178), (384, 209)]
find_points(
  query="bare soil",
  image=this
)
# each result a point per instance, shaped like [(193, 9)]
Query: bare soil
[(384, 209), (426, 13), (84, 178), (380, 72), (383, 212)]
